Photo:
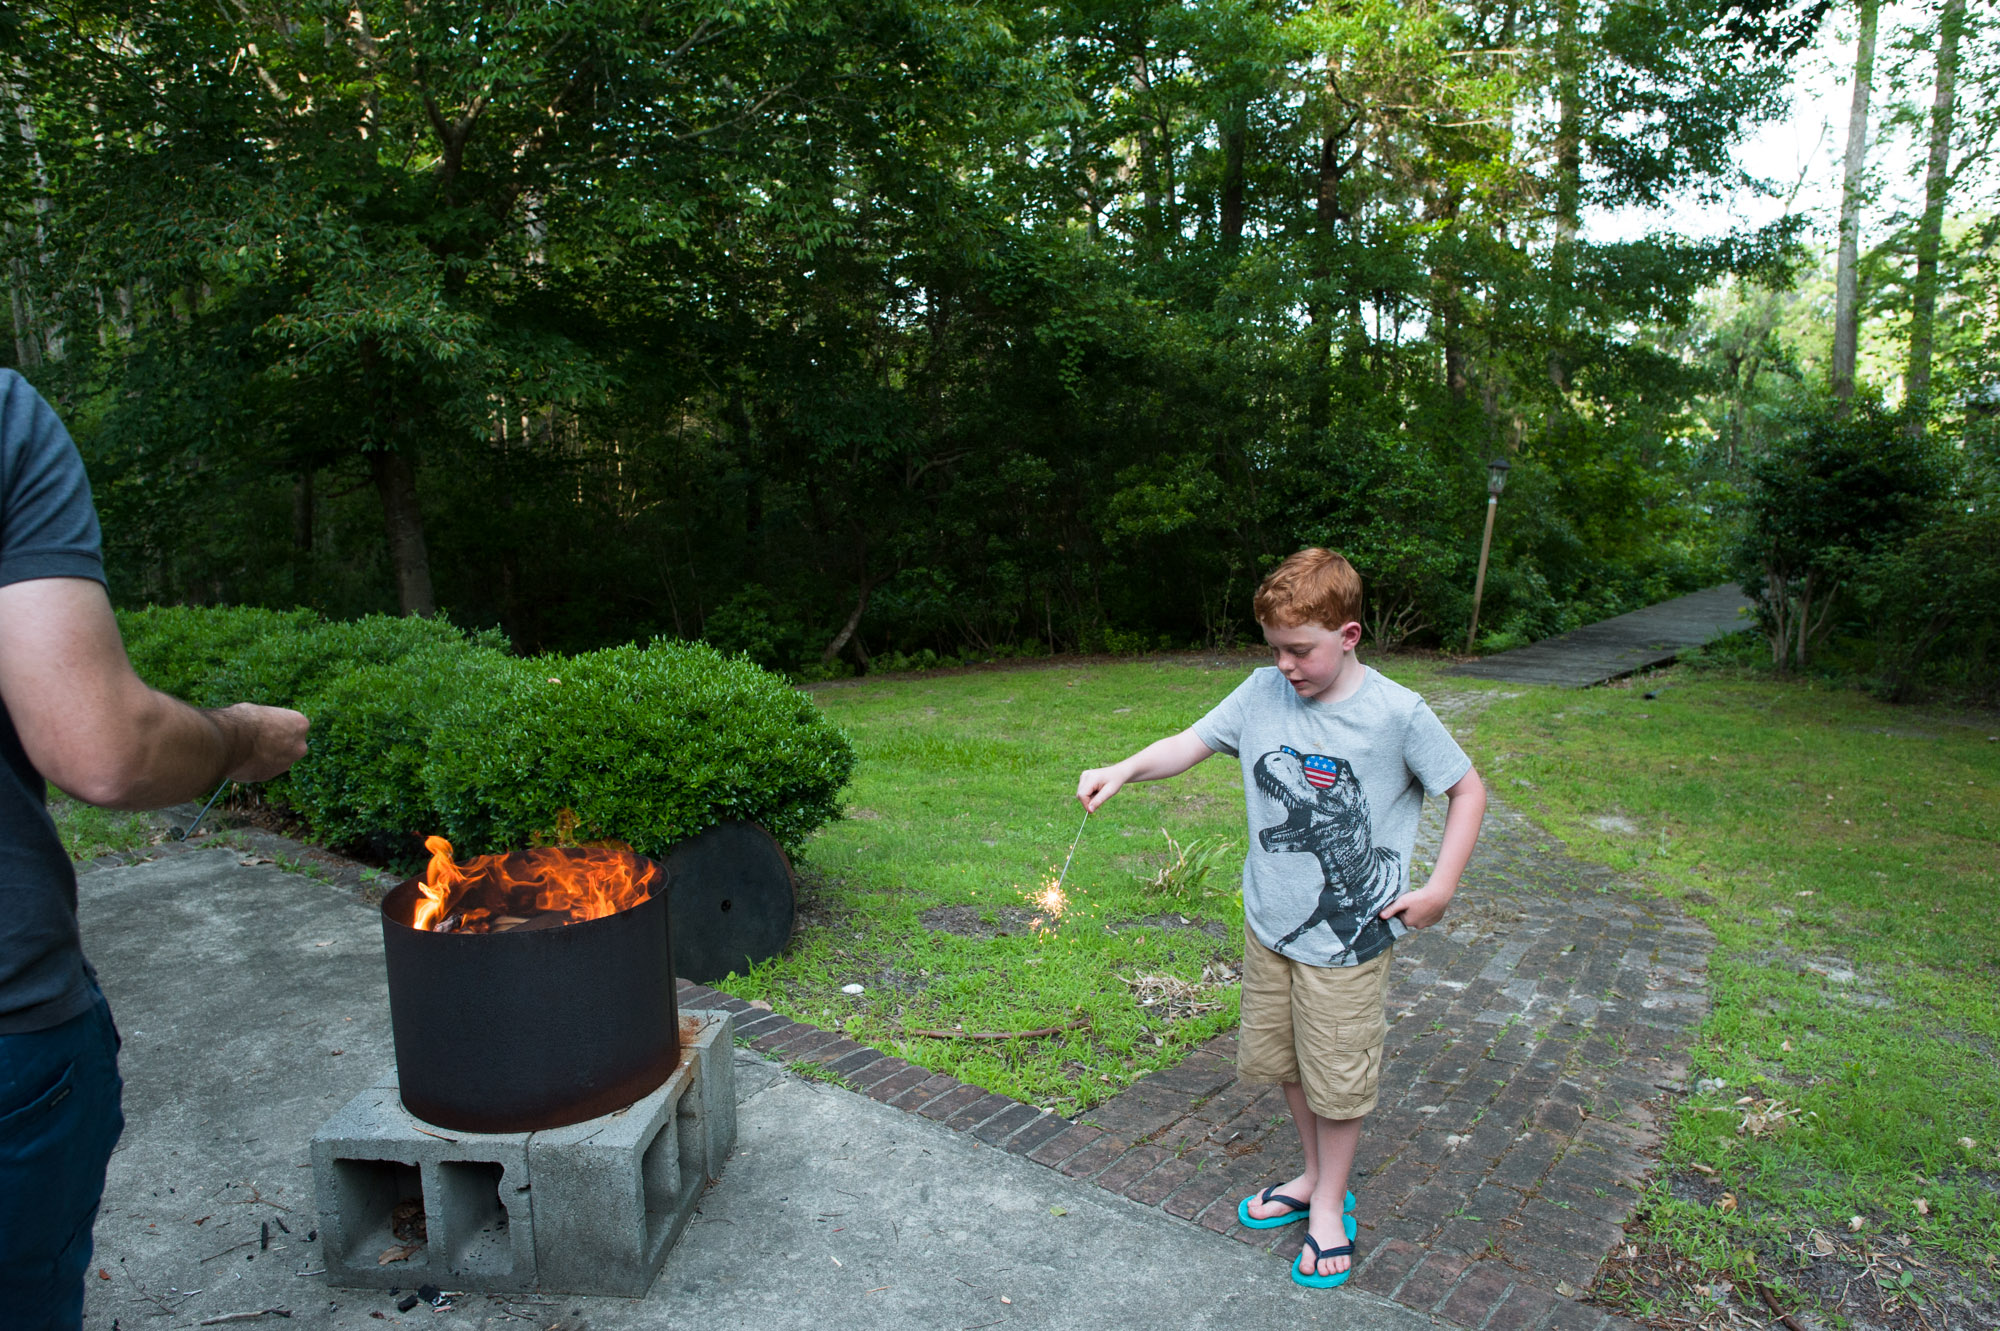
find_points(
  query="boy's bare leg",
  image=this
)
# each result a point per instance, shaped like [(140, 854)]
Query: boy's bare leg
[(1338, 1138), (1301, 1187)]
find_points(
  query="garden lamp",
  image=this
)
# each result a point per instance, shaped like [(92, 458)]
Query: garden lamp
[(1496, 481)]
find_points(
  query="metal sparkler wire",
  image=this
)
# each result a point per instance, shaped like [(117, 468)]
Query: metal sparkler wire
[(1072, 850), (189, 830)]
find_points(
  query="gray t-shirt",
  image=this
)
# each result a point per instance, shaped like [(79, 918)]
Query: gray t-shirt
[(48, 529), (1333, 791)]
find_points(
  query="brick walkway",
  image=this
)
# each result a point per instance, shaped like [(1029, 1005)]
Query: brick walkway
[(1530, 1036)]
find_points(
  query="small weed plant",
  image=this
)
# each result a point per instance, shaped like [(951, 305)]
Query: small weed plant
[(1183, 880)]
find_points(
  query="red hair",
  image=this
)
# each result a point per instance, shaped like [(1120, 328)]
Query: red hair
[(1311, 587)]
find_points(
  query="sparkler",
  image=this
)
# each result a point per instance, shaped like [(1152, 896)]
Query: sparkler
[(188, 831), (1051, 900), (1072, 849)]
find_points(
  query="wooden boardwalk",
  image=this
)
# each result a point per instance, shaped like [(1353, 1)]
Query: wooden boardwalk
[(1615, 647)]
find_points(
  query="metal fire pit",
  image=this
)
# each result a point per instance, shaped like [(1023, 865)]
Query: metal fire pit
[(532, 1029)]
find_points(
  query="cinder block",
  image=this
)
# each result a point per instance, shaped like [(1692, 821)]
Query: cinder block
[(612, 1195), (592, 1208), (372, 1155)]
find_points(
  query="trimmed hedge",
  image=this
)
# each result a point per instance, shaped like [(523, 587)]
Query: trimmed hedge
[(420, 727)]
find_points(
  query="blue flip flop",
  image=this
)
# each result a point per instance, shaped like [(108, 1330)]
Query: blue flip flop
[(1317, 1281), (1300, 1210)]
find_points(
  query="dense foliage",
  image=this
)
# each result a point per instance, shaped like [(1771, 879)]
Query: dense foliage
[(827, 330), (1862, 534), (832, 327), (1832, 493), (419, 728)]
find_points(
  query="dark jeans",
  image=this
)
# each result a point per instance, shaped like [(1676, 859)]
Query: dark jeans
[(59, 1119)]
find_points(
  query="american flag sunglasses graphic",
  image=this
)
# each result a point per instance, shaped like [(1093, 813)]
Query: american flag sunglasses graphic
[(1321, 771)]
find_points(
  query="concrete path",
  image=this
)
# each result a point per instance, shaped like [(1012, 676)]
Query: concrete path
[(1616, 647), (253, 1004)]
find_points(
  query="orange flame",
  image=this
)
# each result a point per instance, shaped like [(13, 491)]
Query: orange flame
[(442, 880), (552, 885)]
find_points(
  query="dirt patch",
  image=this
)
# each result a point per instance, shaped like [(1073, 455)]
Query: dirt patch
[(967, 921), (817, 905), (1173, 922), (1695, 1189)]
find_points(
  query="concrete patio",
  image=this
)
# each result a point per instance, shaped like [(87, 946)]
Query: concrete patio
[(253, 1004)]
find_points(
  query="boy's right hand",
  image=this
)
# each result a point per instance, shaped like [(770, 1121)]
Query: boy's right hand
[(1098, 785)]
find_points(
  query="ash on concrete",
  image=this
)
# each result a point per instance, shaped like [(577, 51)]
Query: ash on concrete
[(253, 1004)]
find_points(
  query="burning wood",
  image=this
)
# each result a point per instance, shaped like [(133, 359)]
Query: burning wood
[(529, 889)]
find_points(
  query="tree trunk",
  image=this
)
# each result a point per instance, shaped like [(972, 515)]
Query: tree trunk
[(1930, 231), (302, 511), (27, 347), (1448, 302), (1234, 133), (396, 482), (1153, 227), (832, 651), (32, 344), (1568, 186), (1847, 276), (1319, 305)]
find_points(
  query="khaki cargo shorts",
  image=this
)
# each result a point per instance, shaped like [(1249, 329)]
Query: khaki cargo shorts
[(1320, 1026)]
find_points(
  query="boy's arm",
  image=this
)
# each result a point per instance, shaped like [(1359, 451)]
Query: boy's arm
[(1465, 809), (1156, 762)]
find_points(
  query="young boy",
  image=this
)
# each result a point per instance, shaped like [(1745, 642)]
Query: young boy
[(1336, 763)]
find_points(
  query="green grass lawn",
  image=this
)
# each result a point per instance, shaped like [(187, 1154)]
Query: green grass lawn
[(88, 832), (1847, 856), (966, 797), (1844, 852)]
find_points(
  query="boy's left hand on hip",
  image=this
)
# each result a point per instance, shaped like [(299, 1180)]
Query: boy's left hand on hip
[(1420, 908)]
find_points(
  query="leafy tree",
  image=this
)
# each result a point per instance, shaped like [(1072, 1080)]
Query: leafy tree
[(831, 330), (1837, 492)]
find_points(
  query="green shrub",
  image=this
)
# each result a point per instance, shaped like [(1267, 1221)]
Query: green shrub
[(1832, 494), (649, 745), (184, 651), (363, 782), (1935, 596), (419, 727), (301, 664)]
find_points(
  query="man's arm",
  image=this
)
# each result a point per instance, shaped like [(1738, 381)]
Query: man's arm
[(1464, 811), (1156, 762), (93, 727)]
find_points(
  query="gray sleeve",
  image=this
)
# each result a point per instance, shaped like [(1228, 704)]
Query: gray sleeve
[(1431, 753), (48, 525), (1222, 728)]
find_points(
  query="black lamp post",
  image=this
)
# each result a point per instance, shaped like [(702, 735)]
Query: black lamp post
[(1496, 481)]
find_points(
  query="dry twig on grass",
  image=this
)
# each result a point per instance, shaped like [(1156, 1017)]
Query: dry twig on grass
[(1177, 999)]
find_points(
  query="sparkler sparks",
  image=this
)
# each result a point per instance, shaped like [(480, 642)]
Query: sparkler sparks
[(1049, 898)]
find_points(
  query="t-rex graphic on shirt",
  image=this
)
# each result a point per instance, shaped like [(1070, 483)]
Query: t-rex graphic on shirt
[(1327, 818)]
